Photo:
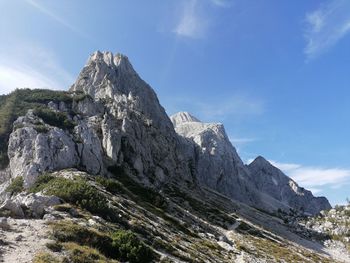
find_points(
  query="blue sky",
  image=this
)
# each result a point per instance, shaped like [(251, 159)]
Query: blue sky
[(276, 73)]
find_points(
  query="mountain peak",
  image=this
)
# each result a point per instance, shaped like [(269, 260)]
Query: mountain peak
[(260, 161), (117, 60), (183, 117)]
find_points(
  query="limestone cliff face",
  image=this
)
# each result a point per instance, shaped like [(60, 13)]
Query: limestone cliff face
[(220, 168), (118, 122), (217, 163)]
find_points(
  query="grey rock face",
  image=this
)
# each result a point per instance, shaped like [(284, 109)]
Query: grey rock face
[(220, 168), (217, 163), (32, 152), (135, 129), (270, 180)]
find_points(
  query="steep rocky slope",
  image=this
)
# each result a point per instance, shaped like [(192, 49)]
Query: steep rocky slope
[(170, 179), (259, 184)]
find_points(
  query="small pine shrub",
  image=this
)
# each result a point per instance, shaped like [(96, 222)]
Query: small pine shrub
[(54, 246), (41, 182), (130, 248), (44, 257), (111, 185), (122, 245), (78, 192), (41, 128), (16, 185), (67, 231), (84, 254), (57, 119)]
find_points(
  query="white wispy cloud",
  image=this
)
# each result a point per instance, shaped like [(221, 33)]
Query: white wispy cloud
[(314, 177), (32, 67), (326, 26), (237, 140), (191, 24), (222, 3), (44, 10)]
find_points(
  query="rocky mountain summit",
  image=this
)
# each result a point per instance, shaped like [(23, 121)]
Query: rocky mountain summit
[(104, 157)]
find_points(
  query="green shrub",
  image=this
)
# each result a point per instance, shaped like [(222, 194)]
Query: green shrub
[(111, 185), (54, 246), (41, 182), (122, 245), (57, 119), (77, 191), (41, 128), (44, 257), (66, 231), (16, 185), (84, 254), (130, 248)]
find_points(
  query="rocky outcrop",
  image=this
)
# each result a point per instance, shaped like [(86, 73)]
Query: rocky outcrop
[(270, 180), (29, 205), (33, 151), (217, 163)]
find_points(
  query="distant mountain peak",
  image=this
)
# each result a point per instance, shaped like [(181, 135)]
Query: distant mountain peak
[(183, 117), (261, 161)]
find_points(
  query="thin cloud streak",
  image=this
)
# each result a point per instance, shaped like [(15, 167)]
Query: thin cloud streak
[(55, 17), (222, 3), (191, 24), (326, 26), (314, 177), (234, 140)]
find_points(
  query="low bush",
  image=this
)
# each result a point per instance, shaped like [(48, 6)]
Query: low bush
[(77, 191), (122, 245), (16, 185), (111, 185), (130, 248), (44, 257), (67, 231), (41, 183), (84, 254), (54, 246), (53, 118)]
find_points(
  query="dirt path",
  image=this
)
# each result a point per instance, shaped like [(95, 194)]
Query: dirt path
[(22, 240)]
